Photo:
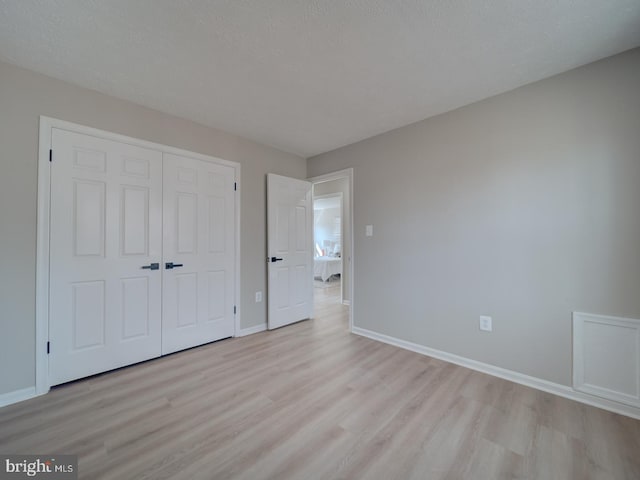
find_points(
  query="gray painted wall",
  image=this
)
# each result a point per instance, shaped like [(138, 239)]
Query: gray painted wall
[(24, 96), (524, 206)]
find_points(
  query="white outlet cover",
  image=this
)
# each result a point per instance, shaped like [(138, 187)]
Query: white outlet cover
[(258, 297), (369, 230)]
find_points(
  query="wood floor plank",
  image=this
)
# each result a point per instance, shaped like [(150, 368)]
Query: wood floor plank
[(311, 401)]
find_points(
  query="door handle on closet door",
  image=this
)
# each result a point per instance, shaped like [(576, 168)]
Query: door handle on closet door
[(274, 259), (170, 265), (151, 266)]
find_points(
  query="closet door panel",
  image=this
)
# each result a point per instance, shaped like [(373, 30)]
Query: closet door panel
[(106, 225), (199, 241)]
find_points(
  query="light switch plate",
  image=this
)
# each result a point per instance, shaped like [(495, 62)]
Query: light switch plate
[(369, 231), (485, 323)]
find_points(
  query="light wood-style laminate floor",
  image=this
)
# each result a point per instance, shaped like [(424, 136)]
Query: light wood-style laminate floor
[(311, 401)]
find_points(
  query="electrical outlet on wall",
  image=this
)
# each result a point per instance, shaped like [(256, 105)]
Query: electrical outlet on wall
[(485, 323), (258, 297)]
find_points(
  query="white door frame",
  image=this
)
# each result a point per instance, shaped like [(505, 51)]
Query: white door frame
[(346, 173), (43, 219)]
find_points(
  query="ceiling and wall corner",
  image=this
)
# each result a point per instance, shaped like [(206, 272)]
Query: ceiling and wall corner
[(308, 77)]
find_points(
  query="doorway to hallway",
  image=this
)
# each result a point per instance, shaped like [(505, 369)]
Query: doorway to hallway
[(333, 242)]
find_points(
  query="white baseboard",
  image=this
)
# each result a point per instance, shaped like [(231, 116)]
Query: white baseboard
[(17, 396), (533, 382), (251, 330)]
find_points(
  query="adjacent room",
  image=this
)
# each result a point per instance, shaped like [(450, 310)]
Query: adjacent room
[(332, 239), (320, 240)]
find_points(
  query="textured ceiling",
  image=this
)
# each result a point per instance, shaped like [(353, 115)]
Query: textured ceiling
[(309, 76)]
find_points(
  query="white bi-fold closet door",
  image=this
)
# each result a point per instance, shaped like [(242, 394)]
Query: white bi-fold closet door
[(142, 254)]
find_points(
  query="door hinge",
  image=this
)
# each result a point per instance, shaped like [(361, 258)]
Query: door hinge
[(50, 155), (48, 348), (235, 186), (234, 309)]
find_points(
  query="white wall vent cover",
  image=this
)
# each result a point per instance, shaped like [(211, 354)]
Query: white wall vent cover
[(606, 357)]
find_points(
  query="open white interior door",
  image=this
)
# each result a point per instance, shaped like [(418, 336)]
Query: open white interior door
[(290, 250)]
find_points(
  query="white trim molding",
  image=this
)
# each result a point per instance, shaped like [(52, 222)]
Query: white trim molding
[(606, 357), (251, 330), (17, 396), (516, 377), (42, 236)]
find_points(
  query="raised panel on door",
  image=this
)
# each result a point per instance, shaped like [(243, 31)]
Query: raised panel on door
[(186, 291), (87, 315), (216, 295), (282, 286), (186, 226), (89, 204), (135, 307), (105, 225), (290, 244), (134, 220), (302, 233), (217, 214), (198, 212)]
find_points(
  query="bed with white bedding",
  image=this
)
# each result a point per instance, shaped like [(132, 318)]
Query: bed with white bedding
[(325, 267)]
